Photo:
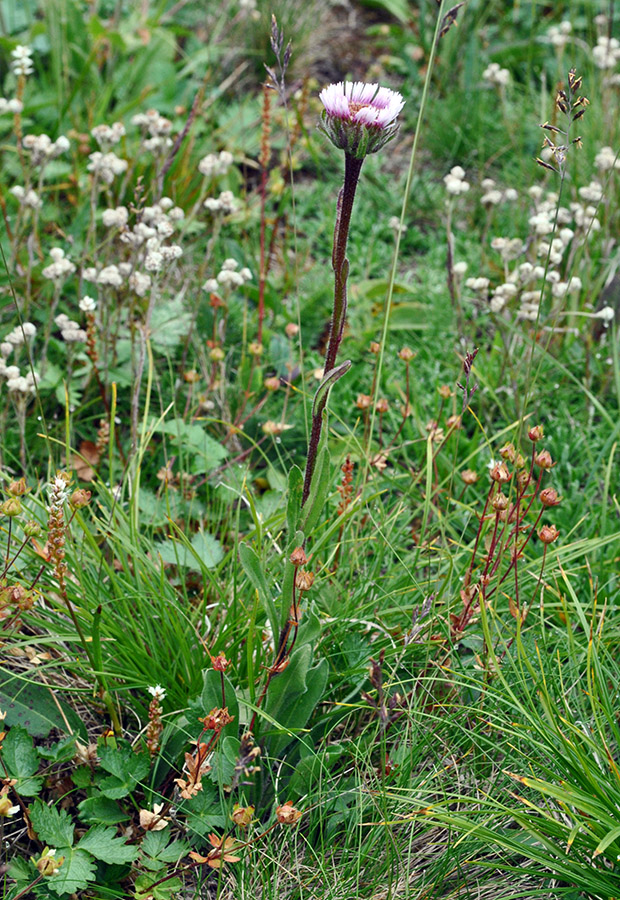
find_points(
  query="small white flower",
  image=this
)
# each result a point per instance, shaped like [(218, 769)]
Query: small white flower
[(22, 63), (607, 314), (139, 283), (159, 692), (210, 285), (459, 268), (494, 74), (88, 304), (115, 218)]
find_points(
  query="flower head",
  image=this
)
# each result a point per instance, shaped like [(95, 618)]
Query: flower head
[(359, 118)]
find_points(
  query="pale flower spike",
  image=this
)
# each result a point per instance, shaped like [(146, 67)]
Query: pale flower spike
[(359, 118)]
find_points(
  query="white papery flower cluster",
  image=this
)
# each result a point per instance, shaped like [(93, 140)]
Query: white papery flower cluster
[(226, 203), (87, 304), (115, 218), (106, 166), (61, 268), (228, 277), (42, 148), (215, 164), (493, 195), (28, 198), (606, 53), (70, 330), (108, 135), (21, 62), (22, 385), (606, 159), (455, 181), (10, 106), (158, 127), (17, 337), (495, 75), (560, 35), (109, 276)]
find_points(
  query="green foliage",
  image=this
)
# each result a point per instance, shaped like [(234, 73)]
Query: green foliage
[(22, 761)]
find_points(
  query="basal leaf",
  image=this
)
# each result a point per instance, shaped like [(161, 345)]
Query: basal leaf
[(104, 844)]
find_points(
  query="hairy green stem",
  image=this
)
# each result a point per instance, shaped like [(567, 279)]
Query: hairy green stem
[(340, 265)]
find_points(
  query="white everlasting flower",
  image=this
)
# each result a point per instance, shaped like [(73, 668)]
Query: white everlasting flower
[(110, 275), (227, 277), (27, 198), (498, 302), (606, 53), (215, 164), (153, 261), (478, 284), (560, 35), (115, 218), (494, 74), (106, 166), (87, 304), (210, 285), (60, 268), (108, 135), (230, 264), (491, 198), (42, 148), (541, 223), (246, 274), (156, 144), (510, 195), (459, 268), (139, 282), (607, 314), (592, 192), (22, 62), (165, 229), (10, 106), (6, 348), (171, 253), (535, 192), (89, 273), (607, 159), (212, 204), (455, 181)]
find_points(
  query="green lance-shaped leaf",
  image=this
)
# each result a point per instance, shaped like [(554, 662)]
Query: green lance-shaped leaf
[(329, 379), (293, 503), (252, 568)]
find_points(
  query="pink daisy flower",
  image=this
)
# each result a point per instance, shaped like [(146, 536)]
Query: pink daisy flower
[(359, 118)]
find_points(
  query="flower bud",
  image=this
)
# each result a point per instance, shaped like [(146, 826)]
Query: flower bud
[(216, 354), (508, 452), (11, 507), (292, 329), (287, 814), (17, 488), (363, 401), (548, 534), (444, 391), (543, 460), (382, 405), (255, 348), (374, 347), (500, 501), (220, 663), (304, 580), (298, 557), (32, 529), (406, 354), (80, 498), (242, 815), (536, 433), (500, 473), (549, 497), (272, 383)]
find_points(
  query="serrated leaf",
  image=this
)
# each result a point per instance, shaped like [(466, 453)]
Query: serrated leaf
[(101, 811), (155, 845), (103, 843), (54, 827), (144, 891), (169, 324), (74, 874), (60, 751), (126, 770)]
